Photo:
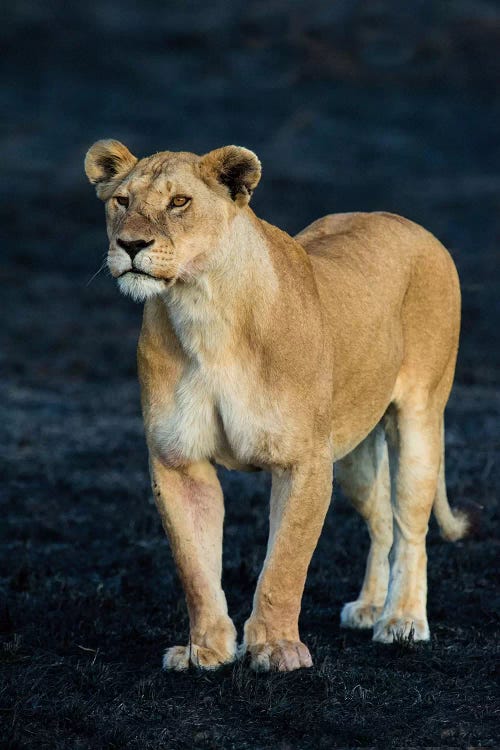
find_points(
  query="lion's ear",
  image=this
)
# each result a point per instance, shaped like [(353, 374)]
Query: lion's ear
[(106, 164), (235, 167)]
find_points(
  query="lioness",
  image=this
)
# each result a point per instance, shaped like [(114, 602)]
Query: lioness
[(260, 351)]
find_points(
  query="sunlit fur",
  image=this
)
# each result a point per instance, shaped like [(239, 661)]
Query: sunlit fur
[(260, 351)]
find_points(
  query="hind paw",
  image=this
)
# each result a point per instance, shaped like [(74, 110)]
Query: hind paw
[(404, 628), (359, 615)]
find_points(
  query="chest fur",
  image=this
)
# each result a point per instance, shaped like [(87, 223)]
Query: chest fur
[(219, 413)]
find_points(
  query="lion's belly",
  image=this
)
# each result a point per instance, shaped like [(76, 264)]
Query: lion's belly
[(215, 416), (363, 392)]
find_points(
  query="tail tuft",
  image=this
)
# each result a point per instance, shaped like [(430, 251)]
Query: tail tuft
[(462, 520), (455, 526)]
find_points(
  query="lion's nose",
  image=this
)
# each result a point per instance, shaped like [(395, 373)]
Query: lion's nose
[(132, 247)]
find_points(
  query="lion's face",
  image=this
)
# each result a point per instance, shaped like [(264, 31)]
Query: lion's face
[(167, 214)]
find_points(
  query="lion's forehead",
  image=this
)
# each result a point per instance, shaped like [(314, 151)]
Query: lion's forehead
[(166, 163), (161, 175)]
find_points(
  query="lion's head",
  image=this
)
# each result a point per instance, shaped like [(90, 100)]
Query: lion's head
[(166, 214)]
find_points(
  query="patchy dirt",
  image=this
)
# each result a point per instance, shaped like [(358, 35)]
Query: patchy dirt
[(348, 107)]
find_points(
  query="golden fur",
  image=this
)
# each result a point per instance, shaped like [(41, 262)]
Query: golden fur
[(260, 351)]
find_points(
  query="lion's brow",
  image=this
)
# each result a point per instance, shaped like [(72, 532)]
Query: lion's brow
[(154, 166), (158, 168)]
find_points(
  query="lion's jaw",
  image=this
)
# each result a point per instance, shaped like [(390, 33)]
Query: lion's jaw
[(140, 287)]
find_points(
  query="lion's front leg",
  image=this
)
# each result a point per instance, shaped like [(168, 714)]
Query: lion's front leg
[(192, 510), (299, 501)]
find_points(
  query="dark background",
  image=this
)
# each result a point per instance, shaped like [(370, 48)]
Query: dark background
[(351, 105)]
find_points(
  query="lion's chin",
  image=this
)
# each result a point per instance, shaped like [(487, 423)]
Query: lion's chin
[(140, 287)]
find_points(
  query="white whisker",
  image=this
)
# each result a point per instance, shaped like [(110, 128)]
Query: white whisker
[(96, 273)]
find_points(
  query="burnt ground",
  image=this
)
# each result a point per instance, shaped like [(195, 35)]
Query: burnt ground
[(349, 107)]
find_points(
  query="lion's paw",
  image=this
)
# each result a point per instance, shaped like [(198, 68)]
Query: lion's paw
[(358, 614), (284, 656), (404, 628), (180, 658), (176, 658)]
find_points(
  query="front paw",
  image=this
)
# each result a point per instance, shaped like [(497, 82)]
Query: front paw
[(208, 649), (359, 615), (180, 658), (404, 628), (280, 655)]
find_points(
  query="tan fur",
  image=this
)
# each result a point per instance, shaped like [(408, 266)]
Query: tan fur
[(258, 350)]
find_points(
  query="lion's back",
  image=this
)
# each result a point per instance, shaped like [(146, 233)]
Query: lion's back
[(373, 257), (377, 232)]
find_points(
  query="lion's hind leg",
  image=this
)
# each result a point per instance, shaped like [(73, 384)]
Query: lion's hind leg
[(415, 458), (365, 479)]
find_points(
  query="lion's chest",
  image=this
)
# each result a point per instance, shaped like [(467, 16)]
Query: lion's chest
[(217, 414)]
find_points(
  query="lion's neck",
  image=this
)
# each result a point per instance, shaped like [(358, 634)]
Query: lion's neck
[(216, 310)]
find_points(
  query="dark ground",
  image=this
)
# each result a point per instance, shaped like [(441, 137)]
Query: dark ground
[(349, 108)]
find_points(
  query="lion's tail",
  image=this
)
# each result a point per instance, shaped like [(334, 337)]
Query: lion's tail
[(454, 524)]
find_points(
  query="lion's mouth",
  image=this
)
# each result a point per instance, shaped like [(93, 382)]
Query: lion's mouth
[(138, 272)]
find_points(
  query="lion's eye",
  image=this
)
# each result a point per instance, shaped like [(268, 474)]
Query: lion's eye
[(122, 200), (179, 200)]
